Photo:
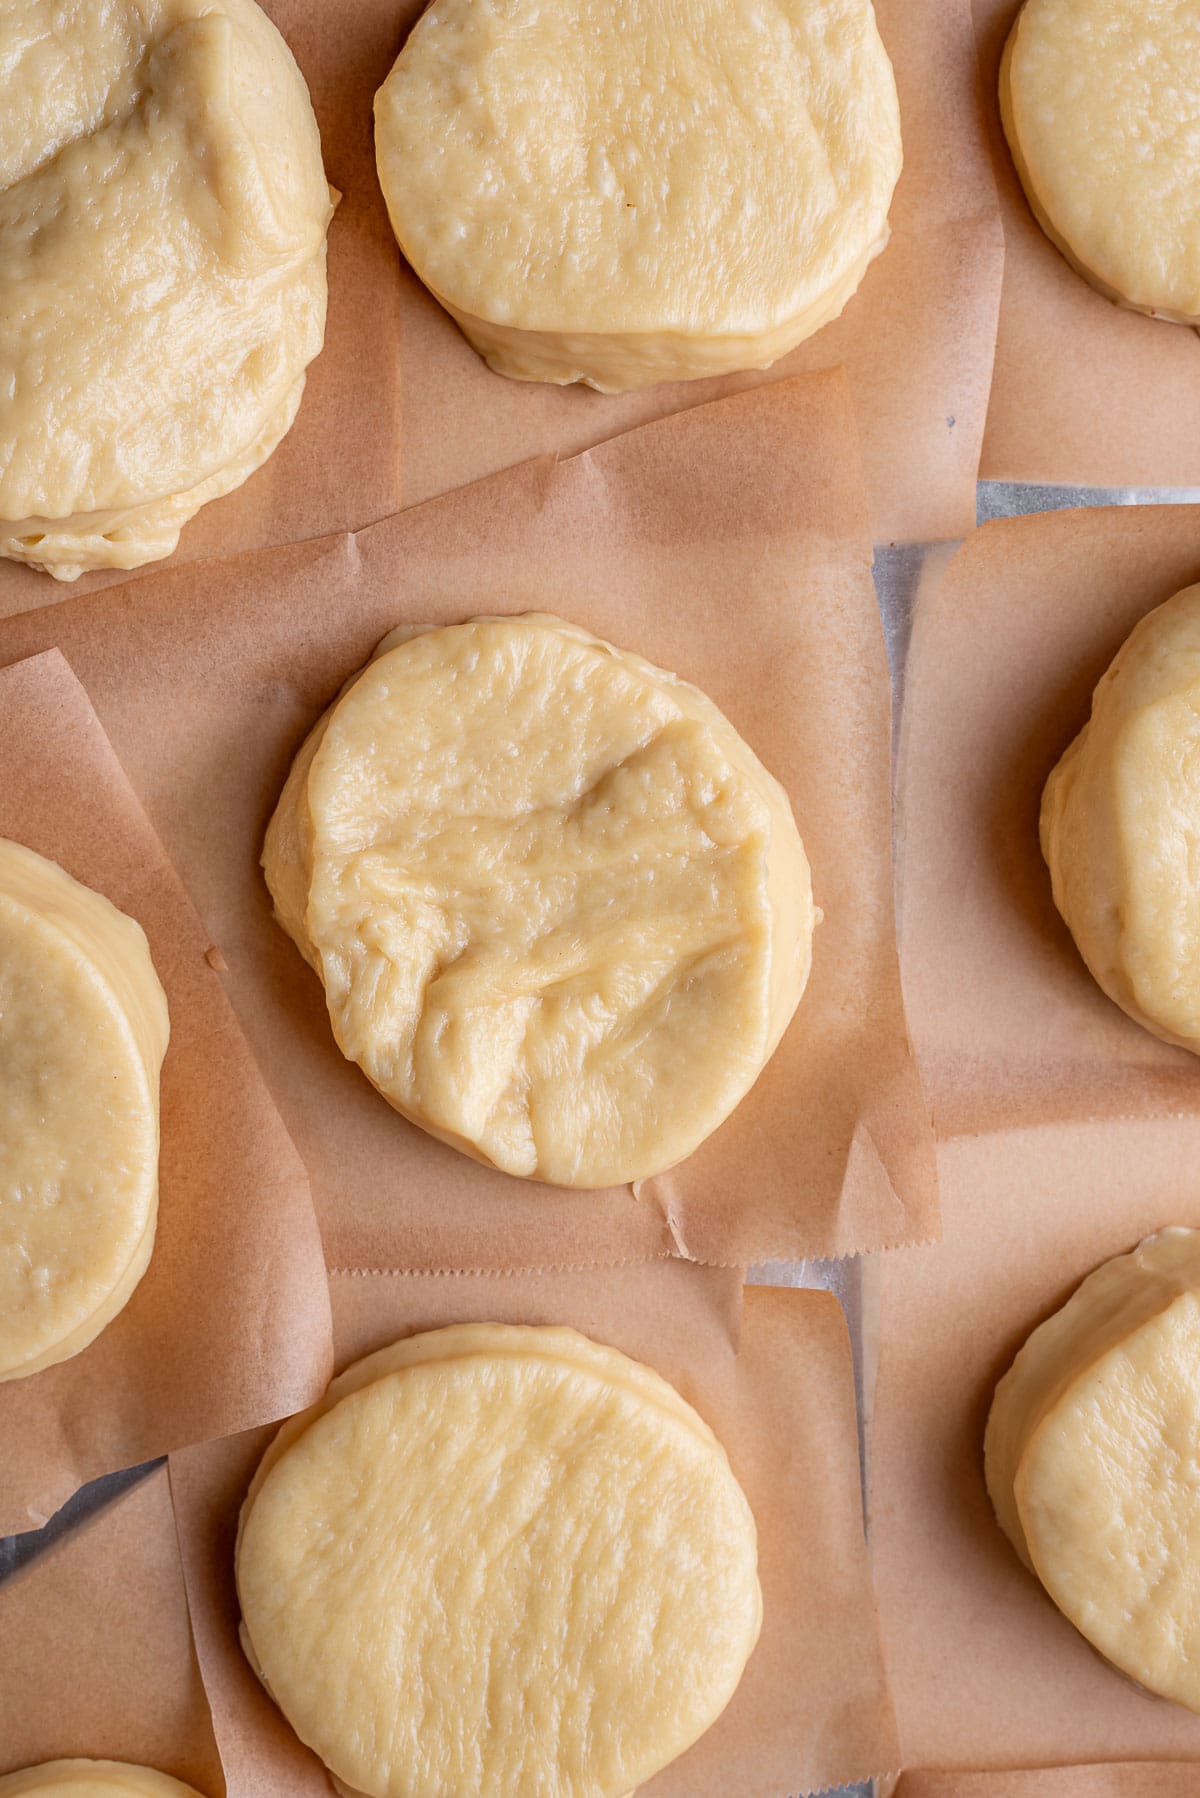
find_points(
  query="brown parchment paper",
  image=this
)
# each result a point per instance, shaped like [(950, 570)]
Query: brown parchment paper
[(1006, 649), (1113, 1779), (1084, 392), (985, 1672), (399, 408), (727, 543), (96, 1657), (230, 1324), (338, 467), (812, 1709)]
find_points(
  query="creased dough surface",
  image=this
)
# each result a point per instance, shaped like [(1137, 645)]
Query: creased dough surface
[(498, 1559), (163, 210), (1101, 106), (83, 1031), (561, 912), (1092, 1464), (629, 191), (93, 1779), (1120, 826)]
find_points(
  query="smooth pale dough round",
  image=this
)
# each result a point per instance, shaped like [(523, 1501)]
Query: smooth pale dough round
[(163, 210), (623, 191), (83, 1031), (1093, 1466), (1120, 826), (1101, 107), (498, 1559), (93, 1779), (561, 912)]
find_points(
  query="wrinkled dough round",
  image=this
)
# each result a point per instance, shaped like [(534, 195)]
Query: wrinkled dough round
[(93, 1779), (1091, 1461), (83, 1031), (1120, 826), (1100, 100), (498, 1559), (561, 912), (163, 210), (621, 193)]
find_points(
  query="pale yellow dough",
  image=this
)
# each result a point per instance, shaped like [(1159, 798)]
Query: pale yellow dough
[(93, 1779), (163, 210), (561, 912), (1120, 826), (1101, 102), (623, 191), (1093, 1467), (83, 1031), (498, 1559)]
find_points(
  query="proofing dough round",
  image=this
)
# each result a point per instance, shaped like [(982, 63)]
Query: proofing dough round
[(83, 1031), (163, 210), (1100, 100), (1091, 1461), (93, 1779), (561, 912), (1120, 826), (498, 1559), (623, 191)]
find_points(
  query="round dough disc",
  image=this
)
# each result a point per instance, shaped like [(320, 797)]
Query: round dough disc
[(1099, 100), (1092, 1466), (93, 1779), (1120, 826), (83, 1031), (621, 193), (561, 912), (498, 1559), (163, 210)]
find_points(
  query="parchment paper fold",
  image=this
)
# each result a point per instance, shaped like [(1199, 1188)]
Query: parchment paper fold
[(96, 1657)]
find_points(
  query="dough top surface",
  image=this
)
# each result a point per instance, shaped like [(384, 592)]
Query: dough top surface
[(1109, 1496), (1092, 1466), (93, 1779), (1121, 825), (561, 912), (1102, 106), (82, 1032), (502, 1564), (1104, 1311), (162, 216), (639, 166)]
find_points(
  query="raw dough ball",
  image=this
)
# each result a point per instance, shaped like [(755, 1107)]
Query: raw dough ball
[(561, 911), (162, 268), (1100, 101), (623, 191), (497, 1559), (1120, 826), (93, 1779), (1091, 1461), (83, 1031)]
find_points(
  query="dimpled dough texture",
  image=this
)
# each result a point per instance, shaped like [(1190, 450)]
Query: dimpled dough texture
[(1121, 826), (162, 268), (83, 1031), (561, 912), (1091, 1461), (1101, 102), (627, 191), (93, 1779), (498, 1559)]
